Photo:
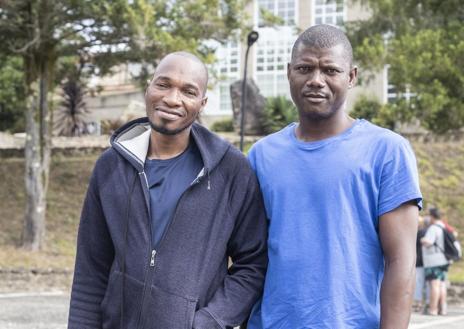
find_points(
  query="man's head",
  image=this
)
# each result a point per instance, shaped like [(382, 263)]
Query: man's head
[(434, 214), (321, 72), (176, 94)]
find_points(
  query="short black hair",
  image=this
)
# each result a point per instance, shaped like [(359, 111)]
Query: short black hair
[(324, 36), (435, 213)]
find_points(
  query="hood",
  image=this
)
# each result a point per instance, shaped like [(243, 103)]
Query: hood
[(132, 140)]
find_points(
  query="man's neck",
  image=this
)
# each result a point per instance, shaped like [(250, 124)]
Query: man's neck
[(167, 146), (314, 130)]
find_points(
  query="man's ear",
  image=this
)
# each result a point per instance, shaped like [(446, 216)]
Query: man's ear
[(288, 71), (353, 76), (203, 103), (148, 85)]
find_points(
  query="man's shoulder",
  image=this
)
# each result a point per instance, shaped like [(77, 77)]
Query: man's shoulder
[(108, 157), (275, 139), (381, 134), (235, 162), (107, 161), (435, 228), (227, 157), (384, 141)]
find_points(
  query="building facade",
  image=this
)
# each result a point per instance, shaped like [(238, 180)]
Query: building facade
[(267, 62), (268, 58)]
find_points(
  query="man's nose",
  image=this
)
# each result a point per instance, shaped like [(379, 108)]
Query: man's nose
[(172, 97), (316, 79)]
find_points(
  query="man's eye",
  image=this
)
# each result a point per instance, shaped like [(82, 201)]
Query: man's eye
[(191, 92), (331, 71), (161, 85), (303, 69)]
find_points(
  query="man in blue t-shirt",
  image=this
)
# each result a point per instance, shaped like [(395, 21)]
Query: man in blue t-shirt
[(342, 199)]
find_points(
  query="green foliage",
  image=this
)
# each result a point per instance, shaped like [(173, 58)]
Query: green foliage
[(423, 42), (226, 125), (278, 113), (72, 114), (158, 27), (42, 31), (12, 94), (372, 110), (269, 19), (70, 120)]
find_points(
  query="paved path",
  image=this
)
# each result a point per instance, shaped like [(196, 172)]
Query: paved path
[(454, 320), (50, 311), (34, 311)]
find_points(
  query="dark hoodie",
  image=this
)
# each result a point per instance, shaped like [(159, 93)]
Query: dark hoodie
[(121, 281)]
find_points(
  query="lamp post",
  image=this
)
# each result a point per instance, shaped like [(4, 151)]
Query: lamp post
[(251, 39)]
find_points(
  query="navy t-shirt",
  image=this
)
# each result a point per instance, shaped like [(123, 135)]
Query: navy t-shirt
[(167, 180)]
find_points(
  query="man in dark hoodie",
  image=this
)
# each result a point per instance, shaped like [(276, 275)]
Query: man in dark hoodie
[(166, 207)]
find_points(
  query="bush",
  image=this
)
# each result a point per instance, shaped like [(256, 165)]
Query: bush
[(226, 125), (278, 113), (372, 110)]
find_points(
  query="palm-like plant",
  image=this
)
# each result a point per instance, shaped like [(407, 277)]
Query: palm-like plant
[(278, 113), (71, 117)]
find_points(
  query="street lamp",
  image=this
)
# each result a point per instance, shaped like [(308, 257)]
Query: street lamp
[(251, 39)]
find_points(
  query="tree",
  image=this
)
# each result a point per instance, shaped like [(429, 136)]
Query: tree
[(42, 32), (422, 41), (371, 109), (159, 27)]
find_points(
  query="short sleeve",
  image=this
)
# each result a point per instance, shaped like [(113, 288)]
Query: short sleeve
[(399, 181), (431, 234)]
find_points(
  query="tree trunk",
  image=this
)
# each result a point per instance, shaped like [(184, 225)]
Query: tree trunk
[(37, 156)]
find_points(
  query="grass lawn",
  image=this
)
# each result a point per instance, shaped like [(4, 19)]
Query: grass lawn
[(68, 182), (441, 169)]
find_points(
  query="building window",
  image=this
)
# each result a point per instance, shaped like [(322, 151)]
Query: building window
[(225, 102), (391, 92), (329, 12), (285, 9), (228, 59), (228, 66), (272, 54)]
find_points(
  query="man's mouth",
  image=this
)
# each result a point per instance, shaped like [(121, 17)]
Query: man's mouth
[(315, 97), (168, 114)]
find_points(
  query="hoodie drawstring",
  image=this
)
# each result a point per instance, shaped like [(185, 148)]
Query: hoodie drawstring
[(123, 260), (209, 182)]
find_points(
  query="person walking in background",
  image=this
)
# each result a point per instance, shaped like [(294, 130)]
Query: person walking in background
[(342, 198), (435, 263), (167, 206), (421, 294)]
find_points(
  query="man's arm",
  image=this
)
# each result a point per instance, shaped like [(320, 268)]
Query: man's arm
[(426, 242), (429, 237), (247, 247), (94, 257), (398, 234)]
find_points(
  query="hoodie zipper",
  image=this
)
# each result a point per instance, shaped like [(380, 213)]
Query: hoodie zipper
[(196, 181), (153, 252)]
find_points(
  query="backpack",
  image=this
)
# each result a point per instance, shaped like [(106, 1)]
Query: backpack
[(453, 250)]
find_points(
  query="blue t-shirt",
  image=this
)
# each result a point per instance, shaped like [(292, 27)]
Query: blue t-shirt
[(323, 200), (167, 180)]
